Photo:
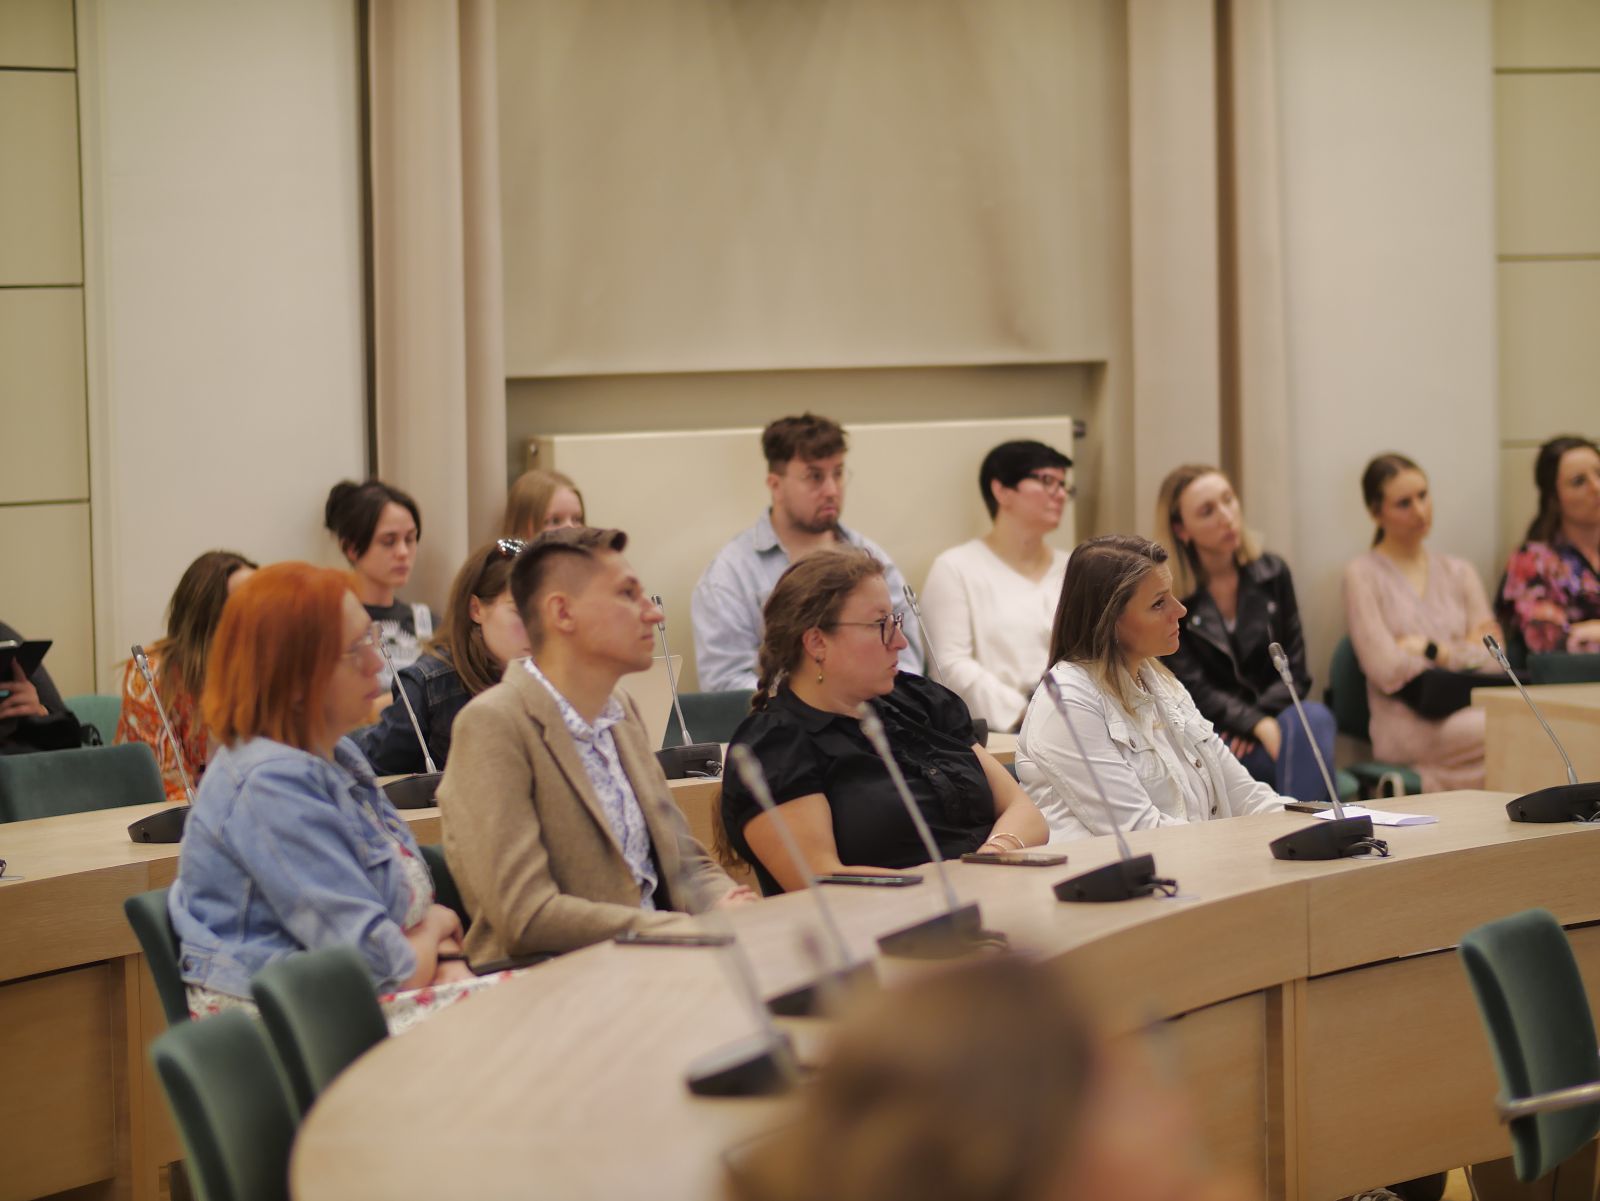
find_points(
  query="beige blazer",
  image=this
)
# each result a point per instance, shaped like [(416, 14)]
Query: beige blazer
[(528, 842)]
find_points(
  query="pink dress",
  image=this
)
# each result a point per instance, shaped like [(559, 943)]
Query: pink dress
[(1381, 607)]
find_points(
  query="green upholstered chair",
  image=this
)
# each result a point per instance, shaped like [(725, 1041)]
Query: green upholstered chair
[(1347, 697), (147, 914), (232, 1107), (1564, 669), (322, 1012), (444, 883), (101, 712), (712, 716), (51, 783), (1536, 1011)]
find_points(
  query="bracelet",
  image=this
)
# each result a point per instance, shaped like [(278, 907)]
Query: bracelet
[(996, 837)]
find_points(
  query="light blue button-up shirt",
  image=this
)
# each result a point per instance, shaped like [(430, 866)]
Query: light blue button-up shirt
[(601, 763), (727, 604)]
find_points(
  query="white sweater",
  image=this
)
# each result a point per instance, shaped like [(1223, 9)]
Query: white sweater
[(990, 628)]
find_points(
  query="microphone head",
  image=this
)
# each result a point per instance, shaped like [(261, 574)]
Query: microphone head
[(139, 657), (1280, 661), (1494, 649), (911, 599)]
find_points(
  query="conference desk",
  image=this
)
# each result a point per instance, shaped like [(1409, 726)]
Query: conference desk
[(1518, 754), (1317, 1011)]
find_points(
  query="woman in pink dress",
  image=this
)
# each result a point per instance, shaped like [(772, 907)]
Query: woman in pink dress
[(1410, 609)]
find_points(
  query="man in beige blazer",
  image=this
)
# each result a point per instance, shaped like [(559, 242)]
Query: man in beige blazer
[(558, 823)]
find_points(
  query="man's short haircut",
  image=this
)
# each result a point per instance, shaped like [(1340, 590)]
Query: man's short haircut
[(543, 558), (807, 437), (1011, 463)]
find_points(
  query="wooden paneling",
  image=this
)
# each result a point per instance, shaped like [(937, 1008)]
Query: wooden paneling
[(1220, 1053), (1549, 354), (41, 395), (53, 603), (1546, 33), (1547, 131), (37, 33), (1519, 757), (40, 238)]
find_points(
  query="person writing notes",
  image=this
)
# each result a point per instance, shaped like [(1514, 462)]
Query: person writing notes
[(1159, 761)]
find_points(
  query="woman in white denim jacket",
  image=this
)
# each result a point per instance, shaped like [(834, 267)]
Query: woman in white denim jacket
[(1159, 762)]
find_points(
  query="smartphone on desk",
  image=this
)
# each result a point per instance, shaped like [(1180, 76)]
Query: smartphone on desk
[(1015, 858), (1308, 806), (646, 938), (883, 881)]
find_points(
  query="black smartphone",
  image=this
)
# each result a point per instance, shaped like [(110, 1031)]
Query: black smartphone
[(1308, 806), (872, 881), (644, 938), (29, 654), (1015, 858)]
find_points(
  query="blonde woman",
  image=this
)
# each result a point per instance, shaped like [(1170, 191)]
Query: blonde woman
[(541, 500)]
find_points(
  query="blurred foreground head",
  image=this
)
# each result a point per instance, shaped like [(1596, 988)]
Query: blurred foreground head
[(985, 1083)]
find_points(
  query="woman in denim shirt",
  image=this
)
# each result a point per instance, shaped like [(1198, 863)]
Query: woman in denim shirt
[(482, 633), (291, 846)]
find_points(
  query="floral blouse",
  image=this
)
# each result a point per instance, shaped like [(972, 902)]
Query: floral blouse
[(1548, 589), (140, 722)]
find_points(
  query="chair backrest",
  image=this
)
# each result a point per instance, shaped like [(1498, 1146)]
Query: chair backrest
[(1536, 1011), (152, 926), (321, 1009), (712, 716), (101, 712), (232, 1107), (50, 783), (1564, 669), (444, 883), (1347, 692)]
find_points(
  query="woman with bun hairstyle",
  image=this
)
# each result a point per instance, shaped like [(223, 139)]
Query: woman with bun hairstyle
[(1410, 609), (482, 633), (541, 500), (1550, 599), (1240, 600), (378, 527)]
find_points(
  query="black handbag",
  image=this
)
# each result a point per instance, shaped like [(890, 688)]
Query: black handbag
[(1438, 692)]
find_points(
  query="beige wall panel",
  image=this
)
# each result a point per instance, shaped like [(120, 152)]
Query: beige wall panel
[(1547, 130), (41, 394), (1519, 503), (40, 241), (1546, 33), (51, 598), (36, 33), (694, 185), (1549, 354), (684, 494)]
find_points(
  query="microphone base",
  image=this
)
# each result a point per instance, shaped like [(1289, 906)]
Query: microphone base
[(758, 1066), (949, 934), (1120, 881), (414, 792), (808, 999), (697, 759), (1339, 838), (165, 826), (1564, 803)]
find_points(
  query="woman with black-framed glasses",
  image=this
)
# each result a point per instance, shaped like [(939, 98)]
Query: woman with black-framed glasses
[(482, 633), (831, 643)]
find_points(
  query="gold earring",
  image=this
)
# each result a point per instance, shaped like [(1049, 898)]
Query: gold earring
[(819, 671)]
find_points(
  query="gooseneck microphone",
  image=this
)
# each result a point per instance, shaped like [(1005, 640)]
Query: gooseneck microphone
[(1340, 837), (164, 825), (690, 758), (143, 664), (922, 632), (1572, 801), (414, 791), (808, 998), (958, 928), (1131, 875)]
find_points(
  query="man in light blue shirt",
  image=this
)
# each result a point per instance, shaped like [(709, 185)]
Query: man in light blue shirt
[(806, 477)]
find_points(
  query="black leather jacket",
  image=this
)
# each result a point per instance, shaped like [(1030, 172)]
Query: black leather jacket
[(1231, 677)]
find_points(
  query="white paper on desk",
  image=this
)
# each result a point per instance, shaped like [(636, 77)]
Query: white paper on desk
[(1381, 817)]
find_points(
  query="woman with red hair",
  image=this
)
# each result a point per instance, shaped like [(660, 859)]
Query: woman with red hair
[(291, 845)]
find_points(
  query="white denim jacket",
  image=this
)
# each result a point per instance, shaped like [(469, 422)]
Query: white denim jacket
[(1133, 760)]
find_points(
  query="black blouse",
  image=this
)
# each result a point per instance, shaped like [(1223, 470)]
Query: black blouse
[(804, 750)]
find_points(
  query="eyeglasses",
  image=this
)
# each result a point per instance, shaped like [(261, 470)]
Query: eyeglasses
[(1053, 483), (815, 477), (888, 626), (509, 548), (370, 641)]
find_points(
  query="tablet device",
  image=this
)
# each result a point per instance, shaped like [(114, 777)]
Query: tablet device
[(29, 654)]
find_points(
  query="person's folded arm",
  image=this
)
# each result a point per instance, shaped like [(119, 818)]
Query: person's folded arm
[(1377, 646), (810, 821), (1015, 812)]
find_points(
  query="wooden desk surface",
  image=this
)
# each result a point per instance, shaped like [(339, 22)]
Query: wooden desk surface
[(1255, 953), (1518, 754)]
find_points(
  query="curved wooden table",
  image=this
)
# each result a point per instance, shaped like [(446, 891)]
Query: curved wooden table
[(1317, 1010)]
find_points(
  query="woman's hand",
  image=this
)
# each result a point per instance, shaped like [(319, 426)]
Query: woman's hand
[(1412, 644), (1240, 745), (24, 699), (738, 896), (1270, 735), (451, 971)]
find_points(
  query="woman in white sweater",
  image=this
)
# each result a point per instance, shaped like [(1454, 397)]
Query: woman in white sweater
[(987, 604), (1159, 761)]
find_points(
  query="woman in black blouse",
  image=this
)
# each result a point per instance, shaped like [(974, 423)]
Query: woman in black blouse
[(831, 642)]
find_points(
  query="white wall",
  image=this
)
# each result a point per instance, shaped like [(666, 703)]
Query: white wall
[(223, 262), (1388, 154)]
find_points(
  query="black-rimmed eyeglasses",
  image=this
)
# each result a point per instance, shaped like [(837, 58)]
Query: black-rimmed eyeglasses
[(888, 626), (1053, 483)]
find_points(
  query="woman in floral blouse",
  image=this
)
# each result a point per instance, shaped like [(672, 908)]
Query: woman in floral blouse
[(1550, 597)]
